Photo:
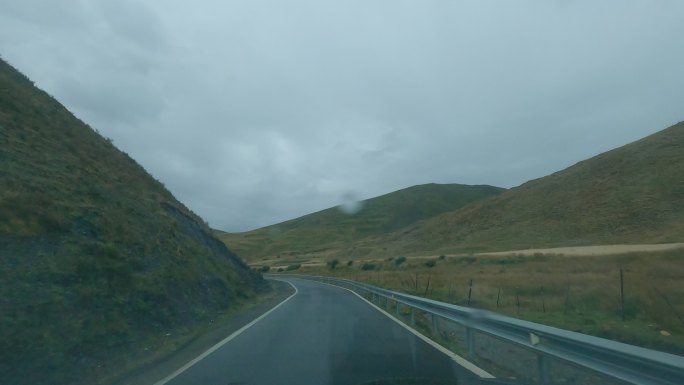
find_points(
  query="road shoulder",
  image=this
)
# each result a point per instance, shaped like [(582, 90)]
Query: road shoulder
[(152, 373)]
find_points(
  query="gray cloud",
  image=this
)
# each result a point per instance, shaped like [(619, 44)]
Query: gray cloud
[(254, 112)]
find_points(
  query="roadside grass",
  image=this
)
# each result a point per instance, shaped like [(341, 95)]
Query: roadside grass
[(574, 293), (153, 351)]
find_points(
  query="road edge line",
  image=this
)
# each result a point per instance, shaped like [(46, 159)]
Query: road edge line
[(455, 357), (212, 349)]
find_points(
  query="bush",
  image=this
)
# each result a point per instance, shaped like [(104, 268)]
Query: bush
[(333, 264), (441, 257), (368, 266), (399, 261), (431, 263), (280, 270), (349, 263), (265, 269), (293, 267)]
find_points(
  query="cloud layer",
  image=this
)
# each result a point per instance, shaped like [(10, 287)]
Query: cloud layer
[(254, 112)]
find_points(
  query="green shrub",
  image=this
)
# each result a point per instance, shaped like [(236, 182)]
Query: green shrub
[(265, 269), (349, 263), (399, 261), (293, 267), (333, 264), (442, 257), (280, 270), (368, 266), (430, 263)]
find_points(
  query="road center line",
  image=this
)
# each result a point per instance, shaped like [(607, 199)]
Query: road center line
[(224, 341)]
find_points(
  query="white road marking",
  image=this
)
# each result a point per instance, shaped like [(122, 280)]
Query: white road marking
[(224, 341), (455, 357)]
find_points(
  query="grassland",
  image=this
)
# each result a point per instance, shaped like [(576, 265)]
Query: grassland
[(97, 258), (575, 293)]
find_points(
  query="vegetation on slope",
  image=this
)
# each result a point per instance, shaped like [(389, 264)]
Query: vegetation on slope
[(633, 194), (334, 230), (97, 259)]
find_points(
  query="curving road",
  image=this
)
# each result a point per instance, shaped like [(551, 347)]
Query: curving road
[(321, 335)]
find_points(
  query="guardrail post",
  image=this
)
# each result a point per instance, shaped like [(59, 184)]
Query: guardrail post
[(386, 303), (470, 342), (413, 316), (398, 304), (543, 367), (434, 323)]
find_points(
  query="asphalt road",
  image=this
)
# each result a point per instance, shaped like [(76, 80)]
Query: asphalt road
[(322, 335)]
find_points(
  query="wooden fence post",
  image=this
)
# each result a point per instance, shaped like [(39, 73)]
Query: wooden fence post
[(427, 286), (498, 297), (622, 296)]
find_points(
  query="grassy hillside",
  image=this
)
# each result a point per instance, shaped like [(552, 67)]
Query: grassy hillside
[(332, 230), (97, 259), (633, 194)]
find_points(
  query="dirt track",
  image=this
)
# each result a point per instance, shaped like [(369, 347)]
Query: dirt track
[(585, 251)]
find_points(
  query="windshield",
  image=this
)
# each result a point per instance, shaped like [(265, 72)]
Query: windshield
[(341, 192)]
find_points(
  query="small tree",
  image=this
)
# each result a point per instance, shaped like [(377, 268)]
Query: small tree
[(333, 264), (293, 267), (399, 261)]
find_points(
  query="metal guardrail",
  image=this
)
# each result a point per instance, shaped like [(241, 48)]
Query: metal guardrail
[(617, 360)]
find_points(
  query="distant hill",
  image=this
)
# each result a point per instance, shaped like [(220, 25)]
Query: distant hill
[(97, 258), (632, 194), (332, 230)]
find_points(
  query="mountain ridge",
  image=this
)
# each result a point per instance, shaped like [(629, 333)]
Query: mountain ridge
[(630, 194), (376, 216)]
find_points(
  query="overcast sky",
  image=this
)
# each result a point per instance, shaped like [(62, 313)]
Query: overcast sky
[(257, 111)]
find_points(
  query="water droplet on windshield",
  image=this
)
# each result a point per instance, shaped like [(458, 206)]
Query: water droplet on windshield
[(350, 204)]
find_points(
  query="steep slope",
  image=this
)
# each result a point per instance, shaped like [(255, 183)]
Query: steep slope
[(97, 259), (332, 230), (632, 194)]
